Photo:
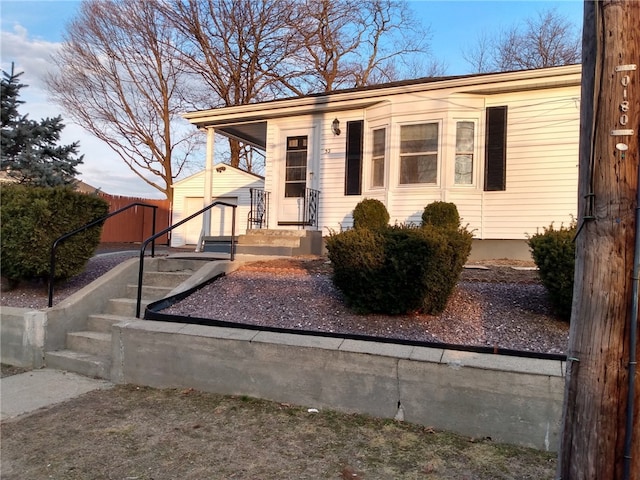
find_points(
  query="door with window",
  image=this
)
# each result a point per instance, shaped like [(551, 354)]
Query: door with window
[(294, 180)]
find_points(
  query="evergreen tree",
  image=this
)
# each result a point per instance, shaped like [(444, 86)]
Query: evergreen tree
[(30, 151)]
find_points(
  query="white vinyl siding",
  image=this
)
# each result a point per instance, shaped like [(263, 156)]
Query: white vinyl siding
[(541, 163), (542, 166)]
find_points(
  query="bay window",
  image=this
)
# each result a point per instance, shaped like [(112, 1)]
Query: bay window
[(419, 153)]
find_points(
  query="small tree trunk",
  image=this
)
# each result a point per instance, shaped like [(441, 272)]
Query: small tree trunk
[(595, 410)]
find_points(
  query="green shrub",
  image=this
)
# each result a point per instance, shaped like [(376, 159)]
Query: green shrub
[(357, 257), (33, 218), (371, 214), (400, 269), (553, 251), (441, 215)]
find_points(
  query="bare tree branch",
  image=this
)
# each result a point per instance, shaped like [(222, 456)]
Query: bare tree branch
[(546, 40), (119, 78)]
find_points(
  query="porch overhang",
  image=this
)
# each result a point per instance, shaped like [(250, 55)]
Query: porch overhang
[(248, 123)]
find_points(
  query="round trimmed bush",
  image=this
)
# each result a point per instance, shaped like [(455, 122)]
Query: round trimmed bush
[(441, 215), (370, 213)]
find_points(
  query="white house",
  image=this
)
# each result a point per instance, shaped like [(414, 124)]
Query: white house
[(229, 185), (503, 147)]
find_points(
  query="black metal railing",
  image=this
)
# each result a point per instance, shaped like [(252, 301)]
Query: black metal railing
[(311, 202), (171, 227), (259, 214), (59, 240)]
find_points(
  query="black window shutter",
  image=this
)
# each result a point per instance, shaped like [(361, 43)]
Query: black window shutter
[(495, 155), (353, 165)]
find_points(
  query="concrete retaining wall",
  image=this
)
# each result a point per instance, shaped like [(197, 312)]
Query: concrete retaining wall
[(26, 334), (22, 337), (509, 399)]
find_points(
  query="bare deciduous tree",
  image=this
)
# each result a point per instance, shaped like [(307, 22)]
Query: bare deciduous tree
[(253, 50), (230, 45), (547, 40), (120, 79), (128, 67), (351, 43)]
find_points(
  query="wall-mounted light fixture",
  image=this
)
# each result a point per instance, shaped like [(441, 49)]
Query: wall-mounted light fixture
[(335, 127), (221, 169)]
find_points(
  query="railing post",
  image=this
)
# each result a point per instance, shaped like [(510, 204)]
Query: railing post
[(153, 232), (233, 233)]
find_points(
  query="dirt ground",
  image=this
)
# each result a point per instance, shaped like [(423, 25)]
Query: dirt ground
[(139, 433)]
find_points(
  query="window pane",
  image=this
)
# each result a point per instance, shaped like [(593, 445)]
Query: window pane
[(378, 160), (465, 141), (464, 169), (297, 159), (294, 190), (419, 138), (378, 172), (418, 169), (297, 173), (378, 142), (464, 136)]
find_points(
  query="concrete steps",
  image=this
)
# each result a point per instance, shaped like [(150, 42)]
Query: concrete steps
[(270, 242), (88, 352)]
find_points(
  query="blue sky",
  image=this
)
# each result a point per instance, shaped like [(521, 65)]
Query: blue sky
[(32, 31)]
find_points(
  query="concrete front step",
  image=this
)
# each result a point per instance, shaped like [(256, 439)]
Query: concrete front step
[(185, 265), (79, 362), (150, 292), (277, 233), (125, 307), (270, 240), (102, 322), (93, 343), (267, 250), (165, 279)]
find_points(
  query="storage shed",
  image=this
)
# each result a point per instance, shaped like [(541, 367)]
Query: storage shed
[(229, 185)]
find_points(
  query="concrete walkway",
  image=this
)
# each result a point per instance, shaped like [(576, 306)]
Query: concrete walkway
[(27, 392)]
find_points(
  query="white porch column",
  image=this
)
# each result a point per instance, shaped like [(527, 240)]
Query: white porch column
[(208, 187)]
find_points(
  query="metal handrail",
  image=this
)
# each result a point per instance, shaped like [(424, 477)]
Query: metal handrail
[(52, 265), (171, 227), (259, 213), (311, 202)]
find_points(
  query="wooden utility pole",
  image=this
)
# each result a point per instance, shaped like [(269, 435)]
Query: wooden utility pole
[(595, 435)]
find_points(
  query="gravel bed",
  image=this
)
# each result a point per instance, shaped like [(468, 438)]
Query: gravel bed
[(36, 294), (499, 307), (512, 316)]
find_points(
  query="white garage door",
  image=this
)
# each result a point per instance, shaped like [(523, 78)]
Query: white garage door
[(221, 218)]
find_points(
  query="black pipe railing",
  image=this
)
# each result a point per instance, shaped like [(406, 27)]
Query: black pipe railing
[(171, 227), (311, 202), (52, 264), (259, 213)]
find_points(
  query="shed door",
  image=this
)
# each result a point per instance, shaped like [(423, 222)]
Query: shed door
[(221, 218)]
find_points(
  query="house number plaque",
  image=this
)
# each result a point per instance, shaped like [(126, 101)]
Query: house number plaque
[(623, 120)]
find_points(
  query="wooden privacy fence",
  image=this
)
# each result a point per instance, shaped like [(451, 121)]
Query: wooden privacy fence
[(134, 224)]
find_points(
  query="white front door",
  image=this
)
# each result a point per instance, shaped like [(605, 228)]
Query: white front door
[(294, 180)]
